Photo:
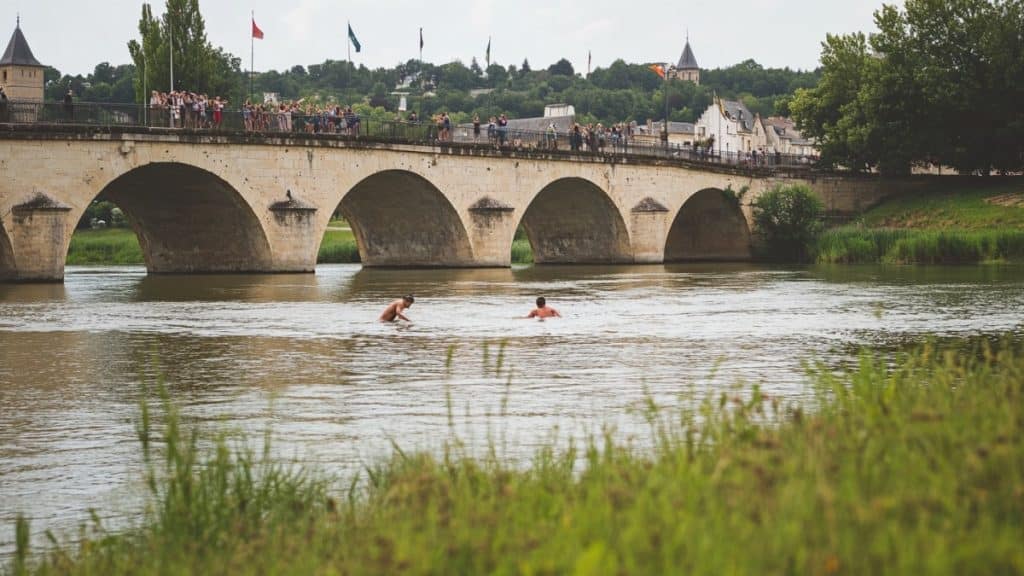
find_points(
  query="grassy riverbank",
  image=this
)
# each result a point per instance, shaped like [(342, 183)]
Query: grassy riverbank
[(114, 246), (120, 246), (915, 469), (961, 227)]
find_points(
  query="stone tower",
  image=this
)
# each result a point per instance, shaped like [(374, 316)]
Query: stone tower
[(687, 68), (21, 74)]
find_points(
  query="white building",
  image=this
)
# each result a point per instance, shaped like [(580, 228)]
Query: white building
[(730, 125)]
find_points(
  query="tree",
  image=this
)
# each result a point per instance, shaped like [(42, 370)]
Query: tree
[(562, 68), (474, 67), (788, 219), (941, 82), (198, 66), (525, 68)]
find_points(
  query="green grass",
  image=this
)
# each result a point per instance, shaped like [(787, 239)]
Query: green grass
[(998, 207), (113, 246), (522, 252), (962, 227), (854, 245), (907, 467), (338, 247), (120, 246)]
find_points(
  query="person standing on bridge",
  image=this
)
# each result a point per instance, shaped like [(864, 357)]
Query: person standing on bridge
[(394, 310)]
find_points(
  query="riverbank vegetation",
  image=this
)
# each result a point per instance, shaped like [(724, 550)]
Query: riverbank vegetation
[(963, 226), (921, 91), (120, 246), (912, 465)]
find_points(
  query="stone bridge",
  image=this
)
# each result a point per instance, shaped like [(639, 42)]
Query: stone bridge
[(205, 203)]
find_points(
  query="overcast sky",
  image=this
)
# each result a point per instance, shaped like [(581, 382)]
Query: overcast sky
[(75, 35)]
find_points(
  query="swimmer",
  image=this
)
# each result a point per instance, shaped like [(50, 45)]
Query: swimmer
[(394, 311), (543, 310)]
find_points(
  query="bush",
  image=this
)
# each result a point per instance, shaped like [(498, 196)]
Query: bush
[(788, 219)]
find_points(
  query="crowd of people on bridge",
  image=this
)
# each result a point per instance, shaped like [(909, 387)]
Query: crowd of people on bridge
[(183, 109)]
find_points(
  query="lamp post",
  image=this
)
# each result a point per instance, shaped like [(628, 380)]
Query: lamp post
[(145, 103), (664, 136), (170, 35)]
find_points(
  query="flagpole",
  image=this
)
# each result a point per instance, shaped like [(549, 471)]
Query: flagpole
[(348, 36), (252, 53)]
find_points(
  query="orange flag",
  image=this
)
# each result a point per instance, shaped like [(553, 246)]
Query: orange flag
[(658, 69)]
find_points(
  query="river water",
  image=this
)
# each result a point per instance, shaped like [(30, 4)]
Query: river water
[(304, 357)]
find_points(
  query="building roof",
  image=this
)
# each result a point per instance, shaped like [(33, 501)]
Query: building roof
[(687, 61), (673, 127), (786, 129), (738, 112), (18, 53)]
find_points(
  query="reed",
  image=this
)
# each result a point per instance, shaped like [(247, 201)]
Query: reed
[(522, 252), (113, 246), (912, 465), (855, 245)]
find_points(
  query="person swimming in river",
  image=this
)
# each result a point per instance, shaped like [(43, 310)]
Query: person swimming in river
[(543, 310), (394, 310)]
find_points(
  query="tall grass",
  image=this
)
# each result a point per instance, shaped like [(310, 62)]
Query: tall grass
[(522, 252), (338, 247), (114, 246), (851, 245), (911, 469)]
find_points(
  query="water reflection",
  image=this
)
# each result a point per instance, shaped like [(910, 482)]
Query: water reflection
[(305, 355)]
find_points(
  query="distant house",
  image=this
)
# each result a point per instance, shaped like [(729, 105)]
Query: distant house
[(679, 133), (732, 126), (783, 136), (537, 126), (559, 111)]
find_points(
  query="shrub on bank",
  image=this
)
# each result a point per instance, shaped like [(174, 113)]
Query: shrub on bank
[(913, 467), (788, 219)]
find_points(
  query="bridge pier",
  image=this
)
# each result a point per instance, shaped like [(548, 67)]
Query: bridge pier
[(39, 232)]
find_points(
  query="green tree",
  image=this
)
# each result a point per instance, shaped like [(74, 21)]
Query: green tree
[(788, 219), (198, 66), (942, 82), (562, 68)]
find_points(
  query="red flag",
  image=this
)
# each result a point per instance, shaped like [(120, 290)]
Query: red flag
[(256, 32), (658, 69)]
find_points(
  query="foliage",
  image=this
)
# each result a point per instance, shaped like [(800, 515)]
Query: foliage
[(198, 66), (788, 220), (942, 82), (338, 247), (853, 245), (962, 225), (111, 247), (105, 83), (522, 252), (885, 461)]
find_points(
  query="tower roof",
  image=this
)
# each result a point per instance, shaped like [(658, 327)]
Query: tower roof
[(18, 53), (687, 61)]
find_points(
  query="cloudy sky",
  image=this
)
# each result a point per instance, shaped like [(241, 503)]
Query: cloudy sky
[(75, 35)]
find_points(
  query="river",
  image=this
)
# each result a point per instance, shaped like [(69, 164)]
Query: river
[(304, 357)]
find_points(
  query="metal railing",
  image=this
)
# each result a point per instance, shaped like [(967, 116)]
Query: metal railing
[(273, 122)]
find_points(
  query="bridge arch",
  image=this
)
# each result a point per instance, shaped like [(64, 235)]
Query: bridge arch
[(189, 220), (7, 268), (710, 226), (573, 220), (400, 219)]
